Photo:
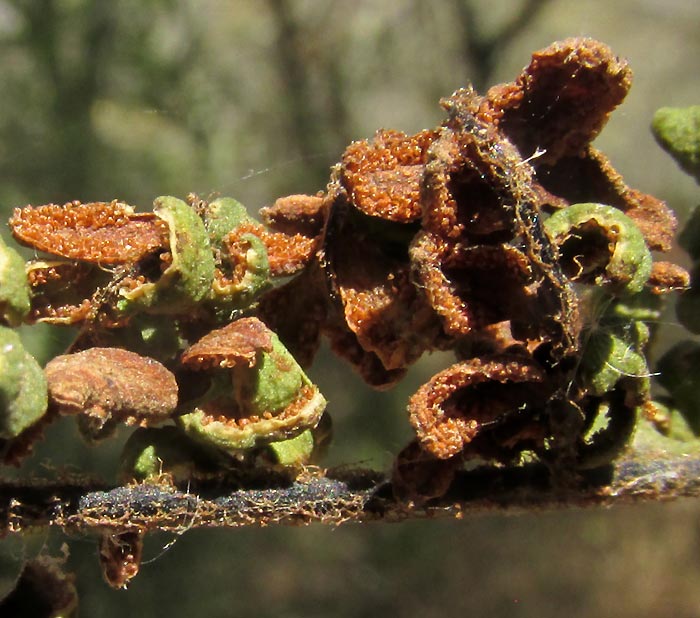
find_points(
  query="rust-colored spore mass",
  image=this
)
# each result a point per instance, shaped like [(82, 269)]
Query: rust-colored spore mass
[(111, 385), (287, 254), (59, 293), (101, 232), (383, 176), (667, 276), (472, 177), (382, 307), (468, 398), (239, 342)]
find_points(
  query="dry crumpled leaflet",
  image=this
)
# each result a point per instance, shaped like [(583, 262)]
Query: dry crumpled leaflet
[(467, 237), (106, 386)]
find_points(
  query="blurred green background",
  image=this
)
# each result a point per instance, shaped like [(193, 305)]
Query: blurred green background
[(257, 99)]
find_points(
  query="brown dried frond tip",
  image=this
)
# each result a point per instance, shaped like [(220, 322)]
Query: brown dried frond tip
[(450, 410), (110, 385), (562, 99), (103, 232), (238, 342)]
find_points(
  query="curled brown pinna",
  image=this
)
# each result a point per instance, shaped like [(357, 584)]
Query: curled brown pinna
[(474, 287), (554, 110), (471, 398), (377, 300), (561, 100), (378, 320), (106, 386)]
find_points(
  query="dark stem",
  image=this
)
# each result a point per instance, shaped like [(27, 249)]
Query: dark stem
[(334, 498)]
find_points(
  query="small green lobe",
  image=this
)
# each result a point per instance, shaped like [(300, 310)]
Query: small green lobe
[(294, 451), (14, 288), (187, 280), (23, 390), (229, 296), (222, 216), (272, 384), (677, 130), (614, 350), (609, 357)]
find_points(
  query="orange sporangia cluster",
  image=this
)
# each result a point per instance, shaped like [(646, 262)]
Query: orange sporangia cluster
[(99, 232), (456, 405), (383, 177), (84, 241), (286, 253), (57, 302)]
